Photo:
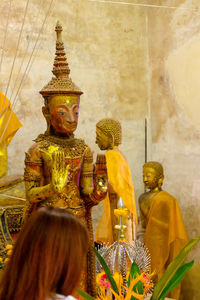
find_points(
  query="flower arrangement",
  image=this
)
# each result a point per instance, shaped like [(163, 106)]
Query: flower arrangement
[(140, 282), (138, 285), (9, 249), (134, 285)]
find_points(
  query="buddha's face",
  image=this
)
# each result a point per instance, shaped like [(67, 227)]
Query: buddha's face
[(64, 110), (102, 140), (150, 178)]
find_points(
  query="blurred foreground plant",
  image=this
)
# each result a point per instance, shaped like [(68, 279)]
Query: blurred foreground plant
[(175, 272), (139, 282)]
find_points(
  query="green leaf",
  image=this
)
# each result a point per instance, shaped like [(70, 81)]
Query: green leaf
[(133, 271), (85, 295), (107, 271), (176, 279), (138, 287), (172, 268)]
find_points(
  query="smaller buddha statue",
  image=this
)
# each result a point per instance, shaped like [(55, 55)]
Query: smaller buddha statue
[(108, 137), (160, 215)]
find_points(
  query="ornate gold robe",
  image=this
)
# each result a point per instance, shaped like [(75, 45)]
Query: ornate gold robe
[(37, 173)]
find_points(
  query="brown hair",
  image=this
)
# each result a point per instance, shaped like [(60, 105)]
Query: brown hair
[(47, 257)]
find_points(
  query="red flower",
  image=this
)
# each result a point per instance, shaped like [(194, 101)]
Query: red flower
[(104, 282), (145, 279)]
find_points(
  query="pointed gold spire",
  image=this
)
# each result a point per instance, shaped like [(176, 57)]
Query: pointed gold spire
[(62, 83), (60, 67)]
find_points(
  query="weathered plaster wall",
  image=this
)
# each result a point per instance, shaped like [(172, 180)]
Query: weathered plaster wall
[(174, 62), (107, 53)]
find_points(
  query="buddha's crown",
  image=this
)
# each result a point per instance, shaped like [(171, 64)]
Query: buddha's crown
[(62, 83)]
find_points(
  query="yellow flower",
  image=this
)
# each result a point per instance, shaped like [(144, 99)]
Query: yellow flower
[(1, 259), (6, 260), (121, 212), (122, 240), (9, 246), (118, 278), (9, 252)]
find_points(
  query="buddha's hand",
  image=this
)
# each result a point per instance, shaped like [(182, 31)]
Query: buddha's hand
[(59, 171), (100, 174)]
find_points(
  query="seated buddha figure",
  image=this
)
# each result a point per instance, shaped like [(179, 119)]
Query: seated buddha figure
[(108, 137), (160, 215), (59, 169)]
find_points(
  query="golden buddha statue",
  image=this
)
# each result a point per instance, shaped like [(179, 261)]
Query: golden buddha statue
[(160, 214), (108, 137), (58, 167)]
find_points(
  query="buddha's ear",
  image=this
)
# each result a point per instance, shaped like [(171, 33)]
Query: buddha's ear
[(160, 181), (45, 111)]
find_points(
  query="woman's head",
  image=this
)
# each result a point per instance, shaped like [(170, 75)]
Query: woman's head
[(47, 256)]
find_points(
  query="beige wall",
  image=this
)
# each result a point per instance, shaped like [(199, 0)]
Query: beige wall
[(131, 62), (173, 36)]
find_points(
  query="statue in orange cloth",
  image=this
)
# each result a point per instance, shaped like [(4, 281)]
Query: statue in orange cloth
[(9, 124), (165, 233), (12, 192), (58, 167), (108, 137)]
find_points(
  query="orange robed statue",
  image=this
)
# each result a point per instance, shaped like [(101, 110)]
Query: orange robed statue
[(165, 233), (108, 137), (9, 124)]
